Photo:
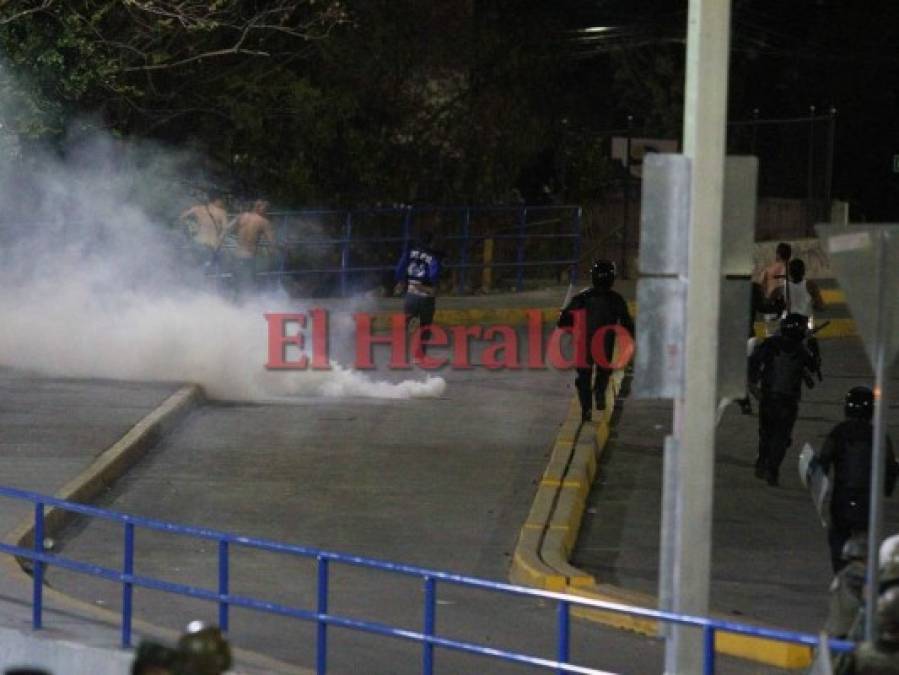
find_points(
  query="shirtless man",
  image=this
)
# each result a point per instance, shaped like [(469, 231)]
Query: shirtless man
[(206, 224), (249, 228)]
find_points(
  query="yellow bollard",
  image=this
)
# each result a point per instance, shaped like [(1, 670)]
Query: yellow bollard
[(487, 272)]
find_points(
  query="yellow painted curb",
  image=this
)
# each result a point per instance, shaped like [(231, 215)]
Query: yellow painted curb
[(110, 465), (545, 543)]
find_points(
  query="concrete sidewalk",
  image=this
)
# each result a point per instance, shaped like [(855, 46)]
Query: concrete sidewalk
[(770, 554)]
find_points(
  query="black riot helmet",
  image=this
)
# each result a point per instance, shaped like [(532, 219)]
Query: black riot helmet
[(602, 274), (794, 326), (859, 403)]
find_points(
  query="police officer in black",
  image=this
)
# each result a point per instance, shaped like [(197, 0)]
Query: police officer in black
[(777, 369), (603, 307), (880, 657), (847, 449)]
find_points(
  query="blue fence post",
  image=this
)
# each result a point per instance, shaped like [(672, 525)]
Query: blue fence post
[(578, 235), (127, 586), (223, 585), (427, 656), (407, 229), (519, 257), (37, 594), (345, 253), (708, 644), (563, 647), (463, 253), (321, 649)]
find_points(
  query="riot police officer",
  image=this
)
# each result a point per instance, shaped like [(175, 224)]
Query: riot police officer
[(880, 657), (203, 650), (603, 307), (848, 449), (777, 368), (848, 588)]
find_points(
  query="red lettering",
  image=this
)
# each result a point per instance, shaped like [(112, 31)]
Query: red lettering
[(437, 338), (623, 341), (320, 359), (578, 333), (535, 339), (278, 342), (508, 346), (365, 340), (461, 351)]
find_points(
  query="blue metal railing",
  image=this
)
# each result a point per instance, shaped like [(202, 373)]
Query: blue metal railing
[(428, 637), (348, 231)]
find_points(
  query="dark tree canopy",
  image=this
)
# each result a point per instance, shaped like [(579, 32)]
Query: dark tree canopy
[(384, 101)]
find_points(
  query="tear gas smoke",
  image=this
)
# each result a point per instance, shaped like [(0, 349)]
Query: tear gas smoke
[(94, 286)]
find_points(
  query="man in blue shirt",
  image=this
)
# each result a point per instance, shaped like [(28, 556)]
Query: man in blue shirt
[(419, 270)]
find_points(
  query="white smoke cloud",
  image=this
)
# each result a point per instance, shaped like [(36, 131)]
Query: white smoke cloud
[(94, 286)]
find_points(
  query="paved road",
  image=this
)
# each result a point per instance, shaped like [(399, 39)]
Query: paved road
[(53, 428), (770, 555), (442, 483)]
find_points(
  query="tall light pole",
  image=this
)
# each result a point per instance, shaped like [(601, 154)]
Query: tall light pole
[(705, 116)]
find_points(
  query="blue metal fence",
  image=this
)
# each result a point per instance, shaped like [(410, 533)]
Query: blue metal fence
[(326, 242), (427, 637)]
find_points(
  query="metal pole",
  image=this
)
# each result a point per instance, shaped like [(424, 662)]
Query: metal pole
[(37, 591), (627, 197), (223, 585), (127, 587), (427, 657), (563, 638), (828, 175), (345, 253), (666, 531), (881, 405), (519, 256), (812, 214), (705, 116), (578, 230)]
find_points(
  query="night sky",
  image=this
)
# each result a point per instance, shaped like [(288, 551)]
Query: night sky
[(786, 56)]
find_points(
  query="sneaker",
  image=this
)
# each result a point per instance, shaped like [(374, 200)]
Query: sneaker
[(586, 415)]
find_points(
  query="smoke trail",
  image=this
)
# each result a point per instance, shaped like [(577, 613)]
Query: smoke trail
[(94, 286)]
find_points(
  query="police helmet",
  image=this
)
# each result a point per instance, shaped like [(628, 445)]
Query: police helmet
[(859, 403), (203, 650), (152, 657), (794, 326), (856, 547), (602, 274), (888, 615), (889, 575)]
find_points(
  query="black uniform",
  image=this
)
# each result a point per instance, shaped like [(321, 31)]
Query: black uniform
[(848, 449), (603, 307), (781, 364)]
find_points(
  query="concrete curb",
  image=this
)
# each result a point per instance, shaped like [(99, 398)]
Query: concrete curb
[(112, 463), (108, 467), (542, 553)]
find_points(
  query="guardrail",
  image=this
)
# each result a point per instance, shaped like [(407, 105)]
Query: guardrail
[(427, 637), (507, 236)]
